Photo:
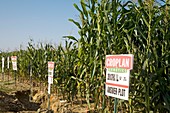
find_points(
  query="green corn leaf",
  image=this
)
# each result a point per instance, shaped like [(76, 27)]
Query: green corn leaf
[(71, 37), (76, 23)]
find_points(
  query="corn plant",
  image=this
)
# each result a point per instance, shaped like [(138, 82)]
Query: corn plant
[(110, 27)]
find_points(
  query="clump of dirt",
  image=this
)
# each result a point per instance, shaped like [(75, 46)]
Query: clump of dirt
[(15, 96), (16, 102)]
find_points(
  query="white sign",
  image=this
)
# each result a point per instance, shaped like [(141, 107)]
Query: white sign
[(50, 72), (14, 62), (3, 64), (117, 75), (8, 62)]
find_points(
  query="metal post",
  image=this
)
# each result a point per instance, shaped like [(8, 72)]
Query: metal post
[(49, 86), (31, 84), (3, 68), (8, 75), (8, 67), (2, 76), (115, 105), (103, 103), (15, 78)]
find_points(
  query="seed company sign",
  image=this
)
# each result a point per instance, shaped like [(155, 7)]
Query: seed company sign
[(117, 75)]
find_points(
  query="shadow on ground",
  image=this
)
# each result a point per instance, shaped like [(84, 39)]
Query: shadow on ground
[(17, 101)]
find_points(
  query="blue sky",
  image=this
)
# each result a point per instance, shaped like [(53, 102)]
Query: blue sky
[(40, 20)]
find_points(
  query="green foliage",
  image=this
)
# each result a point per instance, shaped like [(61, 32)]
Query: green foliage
[(109, 27)]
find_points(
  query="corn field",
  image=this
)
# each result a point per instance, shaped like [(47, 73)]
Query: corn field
[(107, 27)]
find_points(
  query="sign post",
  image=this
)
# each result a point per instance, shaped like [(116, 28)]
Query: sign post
[(14, 65), (3, 68), (31, 84), (50, 79), (8, 67), (115, 105), (117, 76)]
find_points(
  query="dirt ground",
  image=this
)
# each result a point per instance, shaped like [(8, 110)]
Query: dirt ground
[(18, 97), (15, 97)]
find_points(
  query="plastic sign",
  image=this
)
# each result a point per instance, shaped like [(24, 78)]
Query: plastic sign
[(14, 62), (8, 62), (3, 64), (50, 72), (117, 75), (119, 61)]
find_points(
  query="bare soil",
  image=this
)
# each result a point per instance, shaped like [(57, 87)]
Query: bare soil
[(18, 97), (15, 97)]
